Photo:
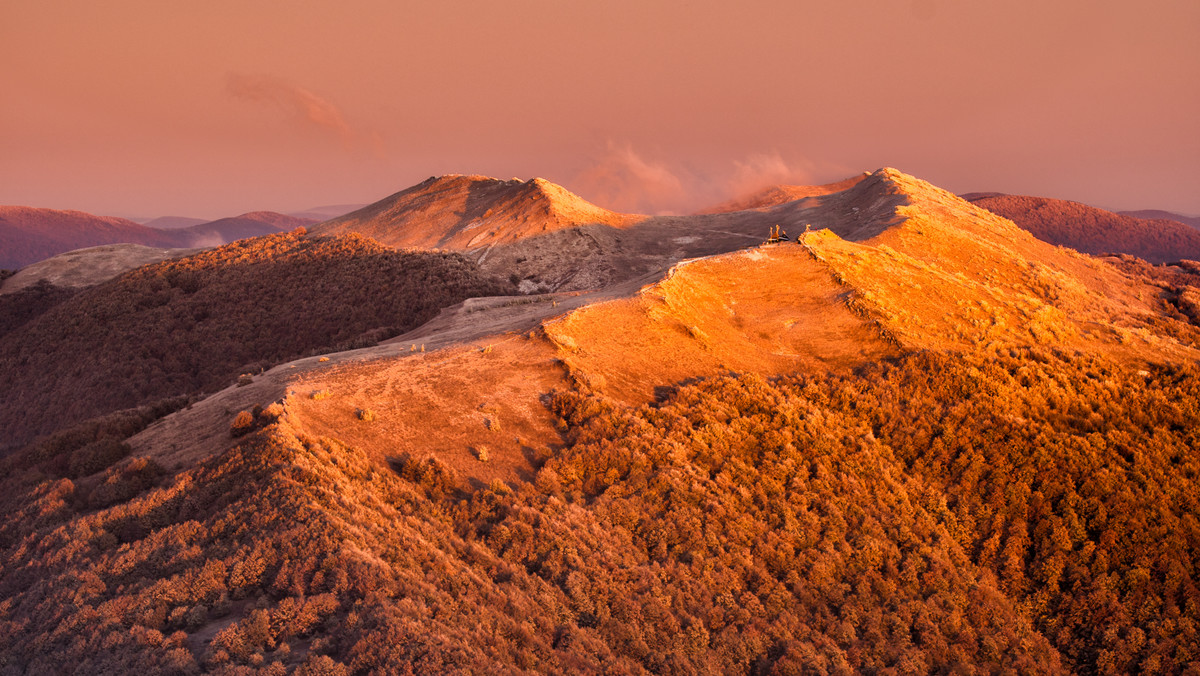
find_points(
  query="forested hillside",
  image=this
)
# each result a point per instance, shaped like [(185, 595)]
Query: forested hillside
[(194, 324), (1023, 512)]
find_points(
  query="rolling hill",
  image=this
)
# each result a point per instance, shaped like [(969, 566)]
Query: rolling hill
[(470, 212), (87, 267), (1093, 230), (173, 222), (194, 324), (1160, 215), (252, 224), (912, 439), (29, 235)]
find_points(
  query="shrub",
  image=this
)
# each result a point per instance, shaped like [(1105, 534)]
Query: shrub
[(96, 456), (242, 423)]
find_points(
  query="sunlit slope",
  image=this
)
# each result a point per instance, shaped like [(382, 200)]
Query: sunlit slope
[(769, 311), (469, 212), (891, 265), (947, 274), (766, 310)]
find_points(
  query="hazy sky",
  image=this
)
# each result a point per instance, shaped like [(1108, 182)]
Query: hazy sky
[(156, 107)]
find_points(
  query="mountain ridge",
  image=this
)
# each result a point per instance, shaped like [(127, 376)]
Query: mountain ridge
[(32, 234), (912, 438), (464, 212), (913, 266)]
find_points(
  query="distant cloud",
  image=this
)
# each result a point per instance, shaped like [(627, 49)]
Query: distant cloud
[(766, 169), (622, 180), (301, 103)]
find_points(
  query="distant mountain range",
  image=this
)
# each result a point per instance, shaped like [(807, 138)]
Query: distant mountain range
[(1160, 215), (29, 234)]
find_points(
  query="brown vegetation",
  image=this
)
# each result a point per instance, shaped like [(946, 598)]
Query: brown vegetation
[(932, 514), (195, 324), (25, 305)]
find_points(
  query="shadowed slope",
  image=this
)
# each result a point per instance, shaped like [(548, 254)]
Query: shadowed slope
[(195, 324)]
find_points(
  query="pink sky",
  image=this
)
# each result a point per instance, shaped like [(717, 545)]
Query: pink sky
[(148, 108)]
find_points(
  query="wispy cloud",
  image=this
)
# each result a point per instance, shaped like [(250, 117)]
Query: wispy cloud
[(762, 170), (300, 103), (625, 180)]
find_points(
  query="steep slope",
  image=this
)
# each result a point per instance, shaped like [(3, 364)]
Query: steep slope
[(463, 213), (304, 552), (950, 275), (1093, 230), (28, 234), (195, 324)]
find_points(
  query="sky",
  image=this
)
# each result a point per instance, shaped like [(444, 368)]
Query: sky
[(144, 108)]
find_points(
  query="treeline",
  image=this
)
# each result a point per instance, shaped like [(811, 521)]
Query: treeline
[(1028, 512), (194, 324), (1096, 231)]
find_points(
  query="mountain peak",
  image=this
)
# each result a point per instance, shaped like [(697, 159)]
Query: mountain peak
[(466, 212)]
